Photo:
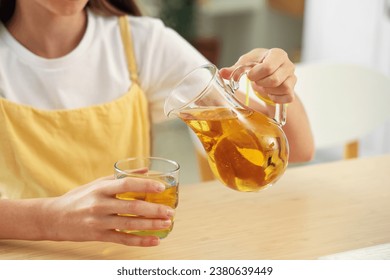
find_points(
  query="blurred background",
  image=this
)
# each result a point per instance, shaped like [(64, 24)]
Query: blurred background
[(225, 29), (309, 31)]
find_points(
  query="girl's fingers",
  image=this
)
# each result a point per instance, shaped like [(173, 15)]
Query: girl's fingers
[(114, 206), (267, 68), (287, 87), (271, 77), (131, 184), (109, 177), (281, 99), (129, 239), (281, 94), (255, 55), (135, 223)]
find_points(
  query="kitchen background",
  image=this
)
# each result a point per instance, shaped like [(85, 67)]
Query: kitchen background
[(309, 30)]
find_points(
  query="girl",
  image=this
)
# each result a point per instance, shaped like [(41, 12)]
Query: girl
[(79, 83)]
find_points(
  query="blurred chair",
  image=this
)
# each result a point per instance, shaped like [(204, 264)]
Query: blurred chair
[(344, 102)]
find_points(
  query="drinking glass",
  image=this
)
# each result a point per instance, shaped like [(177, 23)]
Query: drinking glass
[(159, 169)]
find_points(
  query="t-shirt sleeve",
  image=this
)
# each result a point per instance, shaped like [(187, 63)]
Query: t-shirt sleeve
[(163, 59)]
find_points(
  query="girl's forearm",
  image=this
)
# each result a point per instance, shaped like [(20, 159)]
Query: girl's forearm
[(23, 219), (298, 132)]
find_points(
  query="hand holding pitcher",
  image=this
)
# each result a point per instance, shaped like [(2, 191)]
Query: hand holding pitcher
[(247, 151), (273, 76)]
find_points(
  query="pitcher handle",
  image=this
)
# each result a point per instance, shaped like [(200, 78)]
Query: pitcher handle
[(234, 82)]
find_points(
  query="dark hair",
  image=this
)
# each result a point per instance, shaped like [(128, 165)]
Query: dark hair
[(104, 7)]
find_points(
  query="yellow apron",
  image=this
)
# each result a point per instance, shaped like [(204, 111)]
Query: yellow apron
[(49, 152)]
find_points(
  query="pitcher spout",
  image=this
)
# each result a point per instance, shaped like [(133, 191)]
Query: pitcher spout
[(171, 113), (202, 87)]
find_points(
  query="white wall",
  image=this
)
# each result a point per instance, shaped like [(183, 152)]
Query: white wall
[(351, 31)]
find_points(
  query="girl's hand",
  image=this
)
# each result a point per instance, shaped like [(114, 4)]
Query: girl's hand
[(273, 77), (89, 213)]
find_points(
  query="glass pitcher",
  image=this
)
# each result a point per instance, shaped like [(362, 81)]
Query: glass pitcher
[(247, 151)]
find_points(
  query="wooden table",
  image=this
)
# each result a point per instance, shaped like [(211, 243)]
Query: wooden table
[(312, 211)]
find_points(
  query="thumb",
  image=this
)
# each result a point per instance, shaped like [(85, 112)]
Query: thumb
[(254, 56)]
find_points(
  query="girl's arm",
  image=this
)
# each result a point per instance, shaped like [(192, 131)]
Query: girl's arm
[(87, 213)]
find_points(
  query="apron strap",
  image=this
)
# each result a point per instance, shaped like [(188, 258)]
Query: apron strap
[(128, 46)]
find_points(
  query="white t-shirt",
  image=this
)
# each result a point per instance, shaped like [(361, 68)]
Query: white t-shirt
[(96, 71)]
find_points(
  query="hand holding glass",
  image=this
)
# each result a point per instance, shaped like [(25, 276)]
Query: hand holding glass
[(159, 169)]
